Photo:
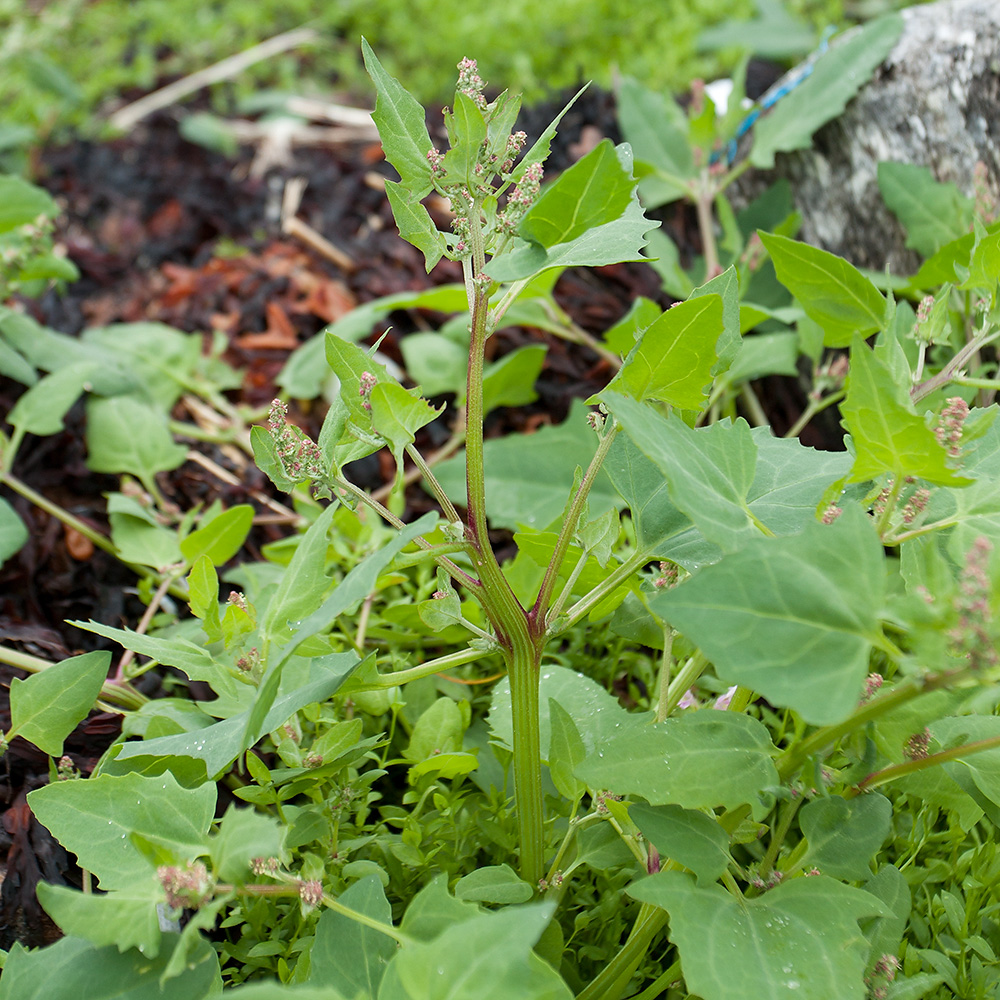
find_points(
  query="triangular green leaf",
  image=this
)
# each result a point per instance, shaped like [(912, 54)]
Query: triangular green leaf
[(793, 618), (844, 834), (690, 837), (673, 359), (95, 819), (399, 119), (708, 470), (888, 434), (834, 293), (699, 761), (347, 955), (932, 213), (799, 941), (46, 707), (590, 216), (415, 224)]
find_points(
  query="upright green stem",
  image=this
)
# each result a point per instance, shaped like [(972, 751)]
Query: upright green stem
[(569, 525), (706, 227), (521, 642), (665, 666), (616, 577)]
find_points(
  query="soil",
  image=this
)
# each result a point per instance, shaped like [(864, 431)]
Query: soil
[(166, 231)]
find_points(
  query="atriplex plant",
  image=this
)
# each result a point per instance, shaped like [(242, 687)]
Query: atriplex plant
[(848, 599)]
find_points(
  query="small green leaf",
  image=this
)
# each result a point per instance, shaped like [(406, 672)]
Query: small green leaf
[(590, 216), (699, 761), (401, 126), (397, 414), (203, 596), (888, 434), (566, 751), (673, 359), (837, 76), (833, 292), (42, 408), (440, 612), (799, 941), (467, 132), (764, 354), (46, 707), (95, 819), (496, 884), (693, 838), (599, 536), (844, 835), (984, 268), (22, 203), (490, 948), (140, 542), (435, 362), (438, 730), (932, 213), (126, 435), (511, 380), (265, 454), (415, 224), (793, 618), (221, 538), (348, 956), (13, 531), (243, 835), (126, 917)]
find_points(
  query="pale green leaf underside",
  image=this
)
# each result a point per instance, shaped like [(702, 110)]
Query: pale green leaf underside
[(793, 618), (699, 761)]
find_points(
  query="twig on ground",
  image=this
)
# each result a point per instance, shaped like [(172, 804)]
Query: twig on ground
[(125, 118)]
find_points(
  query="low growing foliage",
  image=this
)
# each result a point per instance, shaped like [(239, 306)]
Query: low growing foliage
[(802, 747)]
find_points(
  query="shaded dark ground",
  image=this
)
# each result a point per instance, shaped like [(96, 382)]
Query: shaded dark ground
[(152, 222)]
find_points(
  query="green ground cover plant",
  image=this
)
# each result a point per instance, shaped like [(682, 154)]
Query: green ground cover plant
[(798, 796), (63, 61)]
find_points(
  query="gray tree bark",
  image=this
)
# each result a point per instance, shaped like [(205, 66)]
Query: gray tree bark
[(934, 102)]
